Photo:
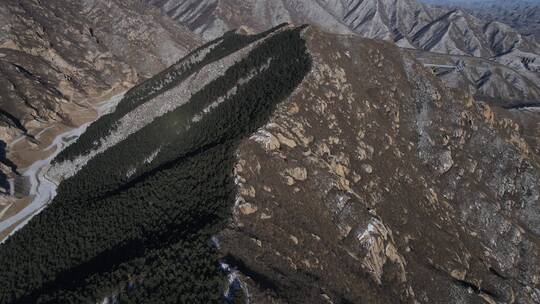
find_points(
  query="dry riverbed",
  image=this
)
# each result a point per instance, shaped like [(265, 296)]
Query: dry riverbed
[(35, 161)]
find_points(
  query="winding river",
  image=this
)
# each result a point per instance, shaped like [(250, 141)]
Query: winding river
[(42, 189)]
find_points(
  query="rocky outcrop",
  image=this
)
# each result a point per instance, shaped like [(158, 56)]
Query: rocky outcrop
[(375, 183)]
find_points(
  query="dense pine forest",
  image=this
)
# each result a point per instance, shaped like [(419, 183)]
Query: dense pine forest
[(145, 236)]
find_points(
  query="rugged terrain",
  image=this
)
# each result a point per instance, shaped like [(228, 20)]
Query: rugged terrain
[(491, 58), (515, 93), (523, 15), (78, 54), (286, 164), (57, 58), (375, 183), (407, 23), (313, 167), (488, 80)]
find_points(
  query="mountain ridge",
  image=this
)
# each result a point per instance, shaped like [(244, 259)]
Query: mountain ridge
[(408, 23), (521, 15)]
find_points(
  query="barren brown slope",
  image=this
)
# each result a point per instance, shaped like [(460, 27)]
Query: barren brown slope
[(522, 15), (56, 57), (374, 183)]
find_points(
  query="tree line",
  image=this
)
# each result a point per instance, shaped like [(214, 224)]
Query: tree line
[(163, 81)]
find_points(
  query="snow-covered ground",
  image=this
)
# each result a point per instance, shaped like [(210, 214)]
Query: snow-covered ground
[(42, 188)]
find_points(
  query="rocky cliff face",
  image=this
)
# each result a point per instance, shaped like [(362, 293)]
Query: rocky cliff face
[(56, 57), (376, 183)]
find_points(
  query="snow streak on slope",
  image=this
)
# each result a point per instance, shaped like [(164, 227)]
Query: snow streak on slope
[(158, 106)]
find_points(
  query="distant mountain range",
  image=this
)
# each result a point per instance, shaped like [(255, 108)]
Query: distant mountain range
[(408, 23), (522, 15), (508, 61)]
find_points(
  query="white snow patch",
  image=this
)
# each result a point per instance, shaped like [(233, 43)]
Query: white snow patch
[(262, 136), (232, 91), (233, 277), (130, 172), (151, 157), (366, 237), (112, 299), (215, 241)]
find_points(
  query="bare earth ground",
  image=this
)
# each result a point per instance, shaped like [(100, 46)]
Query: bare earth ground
[(7, 232), (14, 206)]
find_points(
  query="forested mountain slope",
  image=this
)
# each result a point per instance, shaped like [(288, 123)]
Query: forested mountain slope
[(135, 222), (291, 166)]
